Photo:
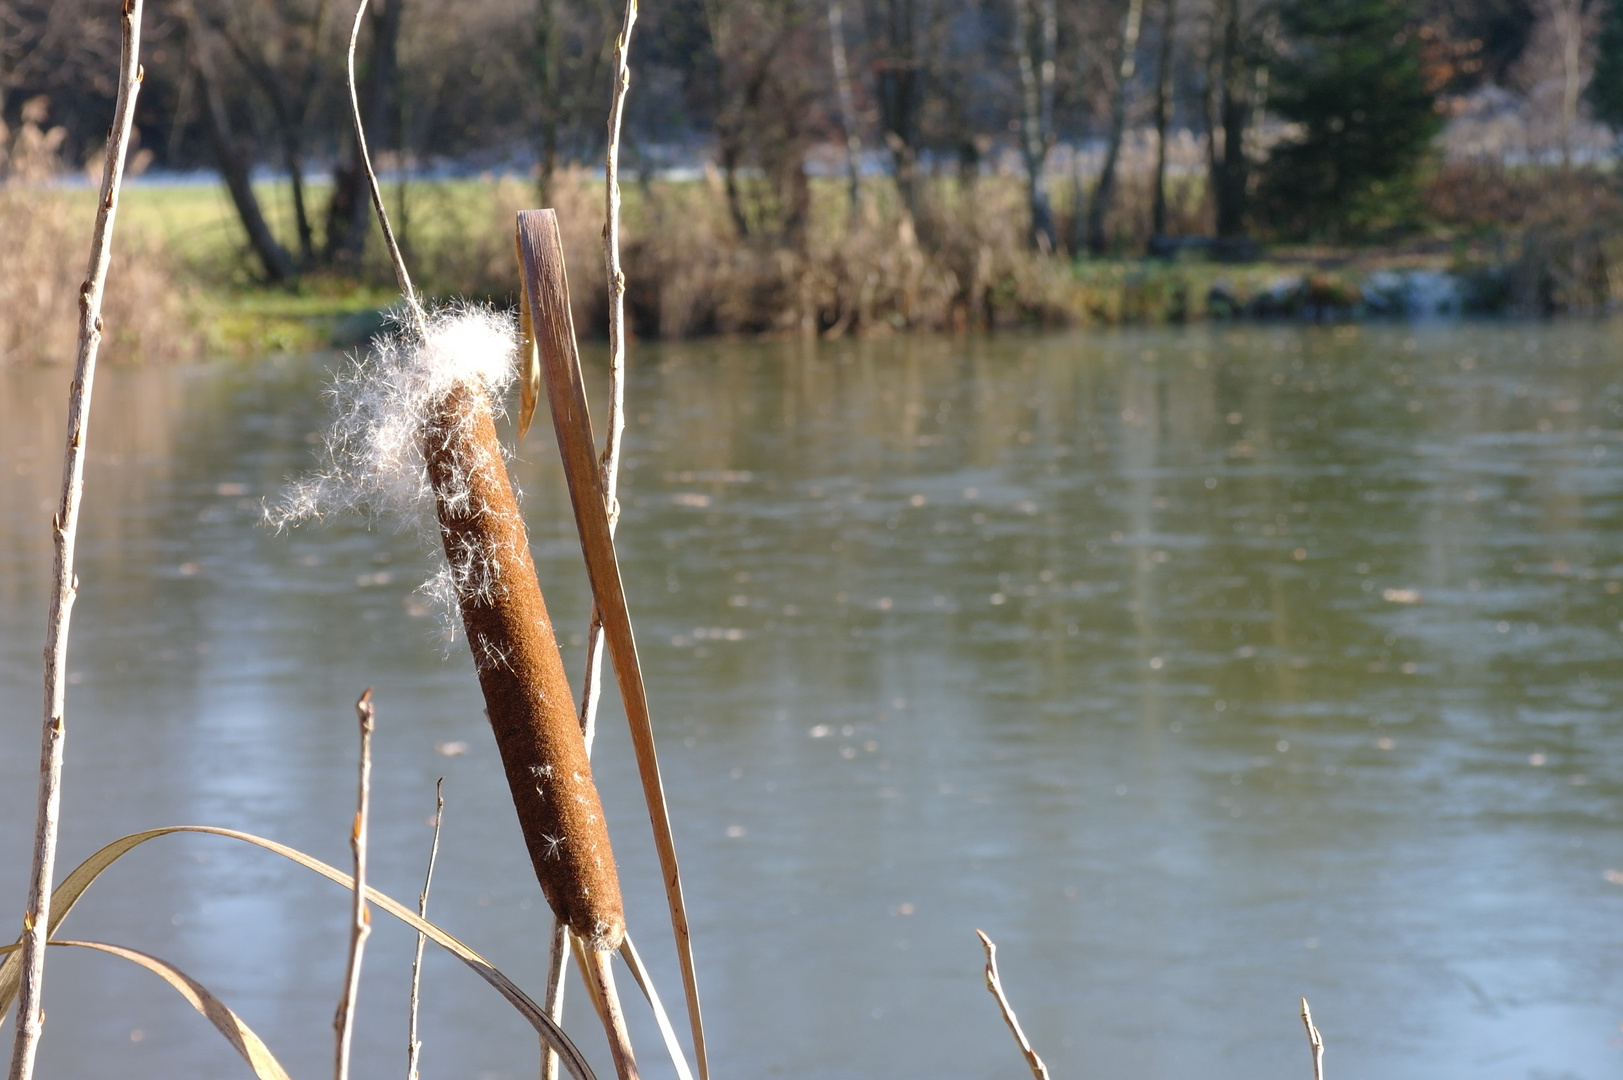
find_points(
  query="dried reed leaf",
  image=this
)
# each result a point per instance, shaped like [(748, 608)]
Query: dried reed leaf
[(229, 1024), (547, 289), (529, 376), (645, 983), (74, 885)]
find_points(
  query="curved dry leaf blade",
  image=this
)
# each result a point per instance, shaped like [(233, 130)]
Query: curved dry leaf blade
[(529, 386), (74, 885), (227, 1022), (645, 983), (547, 290)]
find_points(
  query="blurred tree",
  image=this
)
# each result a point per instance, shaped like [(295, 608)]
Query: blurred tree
[(1235, 58), (1352, 80), (1035, 46), (234, 163), (574, 43), (769, 109), (1489, 36), (1126, 66), (1606, 84), (1163, 113), (284, 48), (349, 211)]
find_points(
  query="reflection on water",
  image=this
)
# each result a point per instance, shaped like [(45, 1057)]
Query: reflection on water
[(1203, 670)]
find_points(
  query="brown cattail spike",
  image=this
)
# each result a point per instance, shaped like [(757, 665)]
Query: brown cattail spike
[(527, 695)]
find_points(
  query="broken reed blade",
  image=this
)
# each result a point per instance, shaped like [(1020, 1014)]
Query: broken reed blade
[(527, 695)]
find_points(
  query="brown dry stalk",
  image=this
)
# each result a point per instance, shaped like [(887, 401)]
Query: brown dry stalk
[(592, 680), (65, 528), (546, 286), (1039, 1071), (360, 922), (597, 969), (527, 694)]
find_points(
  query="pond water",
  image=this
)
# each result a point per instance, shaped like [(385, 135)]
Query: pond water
[(1202, 669)]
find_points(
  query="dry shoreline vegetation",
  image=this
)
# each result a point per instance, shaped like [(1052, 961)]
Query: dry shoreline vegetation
[(1523, 241)]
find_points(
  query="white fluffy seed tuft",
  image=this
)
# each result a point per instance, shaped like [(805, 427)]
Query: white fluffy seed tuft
[(372, 459)]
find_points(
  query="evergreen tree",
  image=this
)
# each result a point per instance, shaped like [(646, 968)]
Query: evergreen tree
[(1606, 84), (1353, 81)]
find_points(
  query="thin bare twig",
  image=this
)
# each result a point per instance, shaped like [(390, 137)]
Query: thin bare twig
[(360, 926), (419, 320), (414, 1045), (65, 531), (609, 468), (1315, 1042), (557, 969), (1038, 1069)]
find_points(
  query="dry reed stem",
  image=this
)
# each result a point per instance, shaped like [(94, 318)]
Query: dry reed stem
[(995, 985), (1315, 1042), (547, 287), (557, 969), (645, 983), (414, 1045), (65, 530), (592, 679), (597, 971), (360, 925)]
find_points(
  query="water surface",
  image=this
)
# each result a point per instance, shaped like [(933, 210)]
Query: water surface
[(1202, 669)]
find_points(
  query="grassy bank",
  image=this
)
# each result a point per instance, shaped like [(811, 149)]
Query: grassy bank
[(185, 283)]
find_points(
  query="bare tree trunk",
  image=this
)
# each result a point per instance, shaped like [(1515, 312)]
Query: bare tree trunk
[(290, 106), (278, 265), (348, 214), (898, 92), (1230, 171), (1037, 86), (847, 105), (730, 161), (1104, 194), (1569, 21), (1163, 102)]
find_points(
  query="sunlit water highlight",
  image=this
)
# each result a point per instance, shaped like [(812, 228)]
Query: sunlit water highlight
[(1203, 670)]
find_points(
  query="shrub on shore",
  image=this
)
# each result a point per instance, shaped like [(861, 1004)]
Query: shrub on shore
[(147, 312)]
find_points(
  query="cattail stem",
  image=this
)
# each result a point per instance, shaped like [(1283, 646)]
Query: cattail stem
[(597, 970), (527, 695)]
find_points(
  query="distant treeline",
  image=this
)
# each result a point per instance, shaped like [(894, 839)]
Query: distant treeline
[(1311, 116)]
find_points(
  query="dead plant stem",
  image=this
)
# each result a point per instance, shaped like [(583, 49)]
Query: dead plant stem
[(414, 1045), (592, 690), (557, 969), (360, 927), (597, 971), (65, 530), (995, 985), (1315, 1041)]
